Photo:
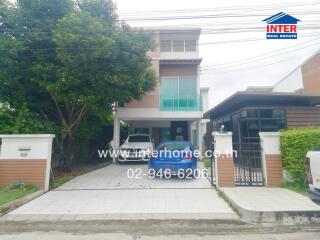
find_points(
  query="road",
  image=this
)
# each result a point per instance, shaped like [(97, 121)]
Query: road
[(121, 236), (153, 229)]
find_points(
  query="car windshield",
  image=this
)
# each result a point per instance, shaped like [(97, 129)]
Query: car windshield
[(139, 138), (175, 146)]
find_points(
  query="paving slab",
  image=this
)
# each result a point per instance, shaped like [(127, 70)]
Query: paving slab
[(108, 194), (262, 204)]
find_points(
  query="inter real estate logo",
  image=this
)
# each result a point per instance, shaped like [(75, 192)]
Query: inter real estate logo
[(281, 26)]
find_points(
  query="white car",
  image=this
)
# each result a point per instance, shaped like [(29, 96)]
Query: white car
[(312, 164), (137, 147)]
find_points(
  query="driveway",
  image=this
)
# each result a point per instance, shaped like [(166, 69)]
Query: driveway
[(108, 193)]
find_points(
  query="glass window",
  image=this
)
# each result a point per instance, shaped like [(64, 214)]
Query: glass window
[(139, 138), (191, 45), (165, 45), (175, 146), (178, 46), (266, 113), (252, 113), (187, 87), (278, 114)]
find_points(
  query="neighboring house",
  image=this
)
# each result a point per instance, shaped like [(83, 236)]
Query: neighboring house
[(293, 102), (174, 108), (304, 79)]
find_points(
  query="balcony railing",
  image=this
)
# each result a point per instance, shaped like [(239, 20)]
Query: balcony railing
[(182, 103)]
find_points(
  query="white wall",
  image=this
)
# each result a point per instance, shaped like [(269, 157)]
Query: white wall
[(205, 100), (156, 114), (291, 83)]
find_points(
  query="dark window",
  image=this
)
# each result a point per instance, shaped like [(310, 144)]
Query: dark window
[(178, 46), (139, 138), (175, 146), (191, 45), (278, 114), (252, 113), (266, 113), (165, 46)]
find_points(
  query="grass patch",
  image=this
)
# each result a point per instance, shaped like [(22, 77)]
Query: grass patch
[(296, 187), (207, 163), (231, 205), (61, 180), (8, 195)]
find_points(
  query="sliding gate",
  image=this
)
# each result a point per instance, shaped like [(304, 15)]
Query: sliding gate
[(248, 164)]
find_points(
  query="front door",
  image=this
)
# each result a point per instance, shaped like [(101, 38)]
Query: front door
[(179, 131)]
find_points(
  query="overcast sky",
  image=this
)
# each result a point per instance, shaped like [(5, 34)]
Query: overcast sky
[(217, 73)]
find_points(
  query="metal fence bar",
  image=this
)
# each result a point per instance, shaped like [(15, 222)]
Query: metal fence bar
[(248, 167)]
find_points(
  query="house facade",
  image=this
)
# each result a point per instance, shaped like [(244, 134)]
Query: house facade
[(293, 102), (173, 109), (304, 79)]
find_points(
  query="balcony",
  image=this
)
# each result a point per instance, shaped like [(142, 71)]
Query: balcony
[(182, 103)]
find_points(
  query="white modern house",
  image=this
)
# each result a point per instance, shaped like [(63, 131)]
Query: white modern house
[(305, 78), (174, 108)]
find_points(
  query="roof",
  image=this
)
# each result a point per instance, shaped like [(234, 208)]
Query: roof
[(281, 18), (256, 99)]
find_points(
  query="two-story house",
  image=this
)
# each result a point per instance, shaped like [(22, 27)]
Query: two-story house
[(174, 109)]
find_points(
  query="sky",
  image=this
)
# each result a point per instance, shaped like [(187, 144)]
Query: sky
[(234, 61)]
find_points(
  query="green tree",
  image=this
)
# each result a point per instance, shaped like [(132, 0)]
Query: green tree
[(69, 61)]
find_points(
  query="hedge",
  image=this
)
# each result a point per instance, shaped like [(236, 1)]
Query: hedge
[(295, 144)]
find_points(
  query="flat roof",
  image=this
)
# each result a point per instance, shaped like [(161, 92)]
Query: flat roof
[(256, 99)]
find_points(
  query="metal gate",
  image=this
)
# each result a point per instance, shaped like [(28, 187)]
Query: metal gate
[(248, 164)]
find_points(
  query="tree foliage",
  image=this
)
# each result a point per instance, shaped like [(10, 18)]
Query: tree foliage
[(65, 61)]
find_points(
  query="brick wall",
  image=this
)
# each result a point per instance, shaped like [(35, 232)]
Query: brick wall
[(311, 75), (27, 171), (225, 171), (273, 170)]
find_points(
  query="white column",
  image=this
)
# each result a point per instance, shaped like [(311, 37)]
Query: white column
[(199, 136), (223, 146), (116, 134), (190, 131), (270, 145)]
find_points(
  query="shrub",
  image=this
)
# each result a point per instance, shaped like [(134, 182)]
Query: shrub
[(295, 144)]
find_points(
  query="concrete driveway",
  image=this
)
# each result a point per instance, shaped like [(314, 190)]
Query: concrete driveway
[(108, 193)]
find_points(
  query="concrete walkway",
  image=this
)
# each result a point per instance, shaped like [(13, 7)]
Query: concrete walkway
[(108, 193), (264, 204)]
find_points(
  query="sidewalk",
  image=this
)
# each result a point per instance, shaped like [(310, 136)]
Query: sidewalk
[(262, 204)]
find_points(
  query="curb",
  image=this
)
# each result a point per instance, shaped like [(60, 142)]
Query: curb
[(280, 217), (10, 206)]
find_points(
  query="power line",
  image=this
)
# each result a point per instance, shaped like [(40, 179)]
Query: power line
[(253, 7), (216, 16), (182, 17), (253, 67)]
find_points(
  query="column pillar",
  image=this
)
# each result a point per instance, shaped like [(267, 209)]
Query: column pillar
[(224, 165), (271, 158), (199, 136), (116, 134)]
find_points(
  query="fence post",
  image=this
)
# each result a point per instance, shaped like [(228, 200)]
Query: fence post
[(224, 164), (271, 158), (26, 158)]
